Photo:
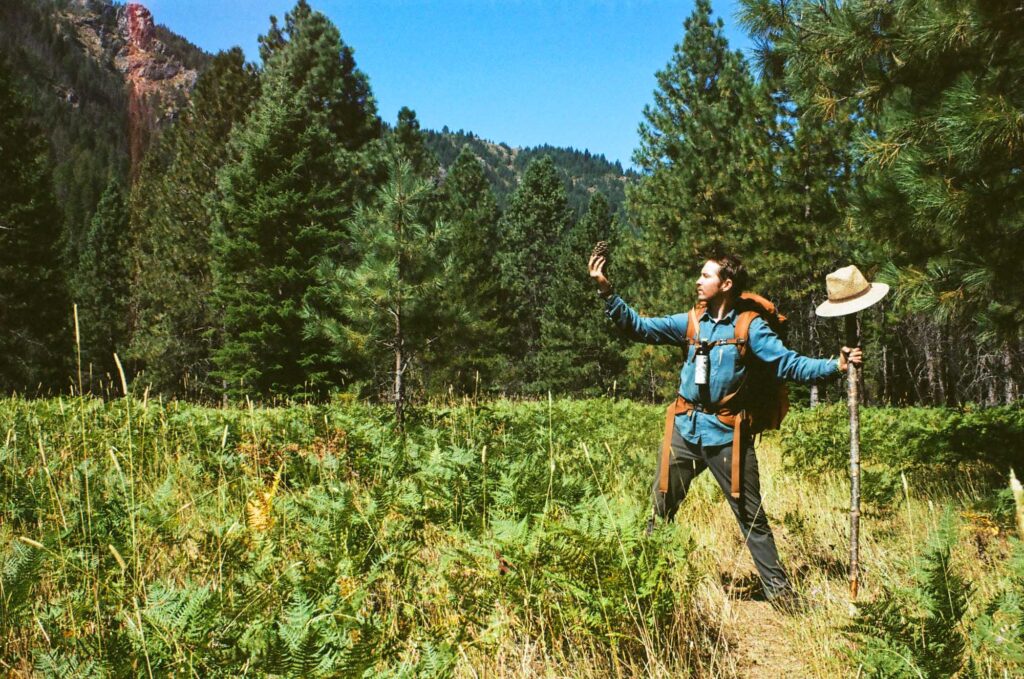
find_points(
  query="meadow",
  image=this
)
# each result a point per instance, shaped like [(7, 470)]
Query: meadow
[(500, 539)]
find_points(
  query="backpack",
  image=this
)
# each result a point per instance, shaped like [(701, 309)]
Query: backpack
[(763, 396)]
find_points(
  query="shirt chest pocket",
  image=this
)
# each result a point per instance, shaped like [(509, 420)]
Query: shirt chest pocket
[(729, 353)]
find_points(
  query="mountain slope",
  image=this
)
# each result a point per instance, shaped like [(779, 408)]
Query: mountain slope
[(101, 78), (582, 171)]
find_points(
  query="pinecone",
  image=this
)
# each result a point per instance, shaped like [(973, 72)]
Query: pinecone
[(601, 250)]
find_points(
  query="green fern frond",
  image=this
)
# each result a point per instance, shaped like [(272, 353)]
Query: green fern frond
[(19, 571), (55, 664), (918, 631)]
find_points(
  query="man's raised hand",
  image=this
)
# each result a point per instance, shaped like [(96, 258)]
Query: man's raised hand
[(596, 266)]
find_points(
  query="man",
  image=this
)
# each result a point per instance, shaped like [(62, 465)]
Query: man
[(700, 439)]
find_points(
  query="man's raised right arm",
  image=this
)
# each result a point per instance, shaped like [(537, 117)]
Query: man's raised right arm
[(662, 330)]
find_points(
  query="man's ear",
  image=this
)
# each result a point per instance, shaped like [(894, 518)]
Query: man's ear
[(726, 285)]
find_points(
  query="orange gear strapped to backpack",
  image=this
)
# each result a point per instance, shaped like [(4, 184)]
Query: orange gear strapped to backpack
[(759, 403)]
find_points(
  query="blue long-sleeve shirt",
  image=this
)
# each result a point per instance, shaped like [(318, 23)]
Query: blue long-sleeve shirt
[(727, 371)]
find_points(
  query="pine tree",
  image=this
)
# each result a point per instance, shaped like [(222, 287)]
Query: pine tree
[(706, 184), (537, 218), (384, 311), (34, 340), (473, 358), (704, 152), (172, 214), (410, 144), (939, 156), (578, 355), (103, 283), (806, 233), (302, 163)]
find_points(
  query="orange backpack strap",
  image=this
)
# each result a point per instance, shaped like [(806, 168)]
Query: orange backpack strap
[(741, 338), (742, 332), (678, 407), (692, 327), (737, 453)]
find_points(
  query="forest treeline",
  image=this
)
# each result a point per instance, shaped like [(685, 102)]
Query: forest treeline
[(282, 241)]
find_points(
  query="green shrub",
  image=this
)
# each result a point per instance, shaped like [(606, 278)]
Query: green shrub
[(896, 441)]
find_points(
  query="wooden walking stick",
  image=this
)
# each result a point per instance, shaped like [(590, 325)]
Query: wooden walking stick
[(848, 293), (853, 401)]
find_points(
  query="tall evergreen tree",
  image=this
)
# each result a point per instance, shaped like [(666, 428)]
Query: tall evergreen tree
[(805, 231), (578, 355), (940, 156), (410, 144), (704, 153), (475, 357), (103, 282), (384, 311), (302, 163), (537, 218), (308, 56), (172, 207), (707, 176), (406, 143), (34, 306)]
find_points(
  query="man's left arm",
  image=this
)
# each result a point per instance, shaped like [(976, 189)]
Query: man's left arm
[(788, 364)]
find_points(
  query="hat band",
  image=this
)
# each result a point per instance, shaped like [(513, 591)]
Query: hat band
[(848, 298)]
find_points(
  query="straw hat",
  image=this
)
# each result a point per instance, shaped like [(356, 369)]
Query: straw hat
[(849, 292)]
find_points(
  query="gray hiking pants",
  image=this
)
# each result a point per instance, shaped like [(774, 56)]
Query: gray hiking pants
[(687, 461)]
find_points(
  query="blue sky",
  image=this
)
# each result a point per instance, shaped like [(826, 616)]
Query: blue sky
[(525, 72)]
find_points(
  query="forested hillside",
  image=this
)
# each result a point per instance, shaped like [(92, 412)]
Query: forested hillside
[(582, 172), (214, 220)]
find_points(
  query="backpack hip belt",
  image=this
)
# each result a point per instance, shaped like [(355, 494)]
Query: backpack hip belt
[(737, 420)]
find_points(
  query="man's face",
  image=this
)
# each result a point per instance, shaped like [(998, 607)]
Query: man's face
[(709, 285)]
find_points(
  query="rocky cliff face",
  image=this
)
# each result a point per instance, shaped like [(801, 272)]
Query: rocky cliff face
[(125, 39)]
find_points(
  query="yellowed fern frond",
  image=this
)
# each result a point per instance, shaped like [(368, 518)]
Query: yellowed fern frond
[(259, 509)]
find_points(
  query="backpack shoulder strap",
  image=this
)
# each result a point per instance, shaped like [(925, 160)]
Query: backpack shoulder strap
[(692, 327), (742, 334)]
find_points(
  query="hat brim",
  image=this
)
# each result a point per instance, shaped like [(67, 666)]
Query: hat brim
[(852, 306)]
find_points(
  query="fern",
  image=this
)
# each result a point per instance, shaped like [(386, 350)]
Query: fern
[(918, 632), (437, 661), (182, 620), (1000, 628), (19, 570), (299, 649), (60, 665)]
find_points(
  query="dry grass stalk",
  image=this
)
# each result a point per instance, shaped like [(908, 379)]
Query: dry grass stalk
[(118, 557), (1018, 501), (31, 543)]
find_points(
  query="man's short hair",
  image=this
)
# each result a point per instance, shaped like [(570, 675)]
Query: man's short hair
[(733, 270)]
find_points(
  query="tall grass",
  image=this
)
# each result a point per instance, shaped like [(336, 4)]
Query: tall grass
[(502, 539)]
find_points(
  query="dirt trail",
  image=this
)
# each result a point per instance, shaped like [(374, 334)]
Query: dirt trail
[(759, 637), (759, 641)]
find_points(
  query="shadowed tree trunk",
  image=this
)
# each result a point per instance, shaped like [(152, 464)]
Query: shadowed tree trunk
[(399, 386), (1009, 387)]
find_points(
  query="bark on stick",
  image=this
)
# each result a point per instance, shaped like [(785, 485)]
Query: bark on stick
[(853, 400)]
